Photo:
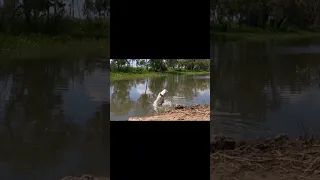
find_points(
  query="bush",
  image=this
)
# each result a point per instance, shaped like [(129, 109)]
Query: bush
[(58, 26), (139, 70)]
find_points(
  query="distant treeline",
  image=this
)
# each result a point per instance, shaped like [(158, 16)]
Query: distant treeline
[(266, 14), (55, 17), (159, 65)]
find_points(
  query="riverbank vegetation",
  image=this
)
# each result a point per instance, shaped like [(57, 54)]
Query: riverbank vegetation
[(31, 28), (37, 47), (132, 68), (281, 18), (55, 17)]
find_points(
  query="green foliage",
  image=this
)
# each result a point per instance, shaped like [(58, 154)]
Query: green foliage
[(55, 17), (275, 15), (57, 47), (159, 65)]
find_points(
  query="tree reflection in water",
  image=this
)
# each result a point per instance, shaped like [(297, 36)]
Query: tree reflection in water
[(134, 97), (254, 80), (36, 133)]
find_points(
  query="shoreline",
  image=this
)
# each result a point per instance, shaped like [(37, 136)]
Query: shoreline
[(43, 47), (267, 159), (263, 36), (43, 38), (255, 34), (125, 76), (179, 113)]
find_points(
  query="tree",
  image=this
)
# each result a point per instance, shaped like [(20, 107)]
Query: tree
[(157, 65), (268, 14), (171, 63), (120, 62), (51, 16)]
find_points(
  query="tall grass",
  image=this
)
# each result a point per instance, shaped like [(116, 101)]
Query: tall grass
[(43, 47)]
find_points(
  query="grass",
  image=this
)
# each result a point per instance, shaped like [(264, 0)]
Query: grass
[(264, 37), (43, 47), (137, 74), (258, 34)]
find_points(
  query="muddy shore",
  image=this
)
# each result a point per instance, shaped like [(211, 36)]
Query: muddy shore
[(84, 177), (179, 113), (268, 159)]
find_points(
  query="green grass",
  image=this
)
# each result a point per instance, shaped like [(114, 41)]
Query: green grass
[(264, 37), (133, 75), (59, 47), (220, 32), (66, 26)]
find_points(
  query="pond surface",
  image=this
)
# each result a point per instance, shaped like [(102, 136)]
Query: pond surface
[(264, 89), (134, 98), (54, 119)]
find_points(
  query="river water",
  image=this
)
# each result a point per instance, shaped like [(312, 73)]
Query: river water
[(54, 119), (266, 88), (134, 98)]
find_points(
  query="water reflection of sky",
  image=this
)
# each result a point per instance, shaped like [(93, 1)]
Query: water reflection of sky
[(295, 106), (302, 106), (204, 96), (136, 92), (294, 95), (81, 101), (79, 107), (141, 89), (142, 105)]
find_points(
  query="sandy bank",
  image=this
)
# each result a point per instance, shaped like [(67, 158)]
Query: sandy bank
[(276, 159), (180, 113)]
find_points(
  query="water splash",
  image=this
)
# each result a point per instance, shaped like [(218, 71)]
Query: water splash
[(167, 105)]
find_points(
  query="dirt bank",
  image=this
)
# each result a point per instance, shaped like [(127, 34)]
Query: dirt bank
[(84, 177), (276, 159), (180, 113)]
